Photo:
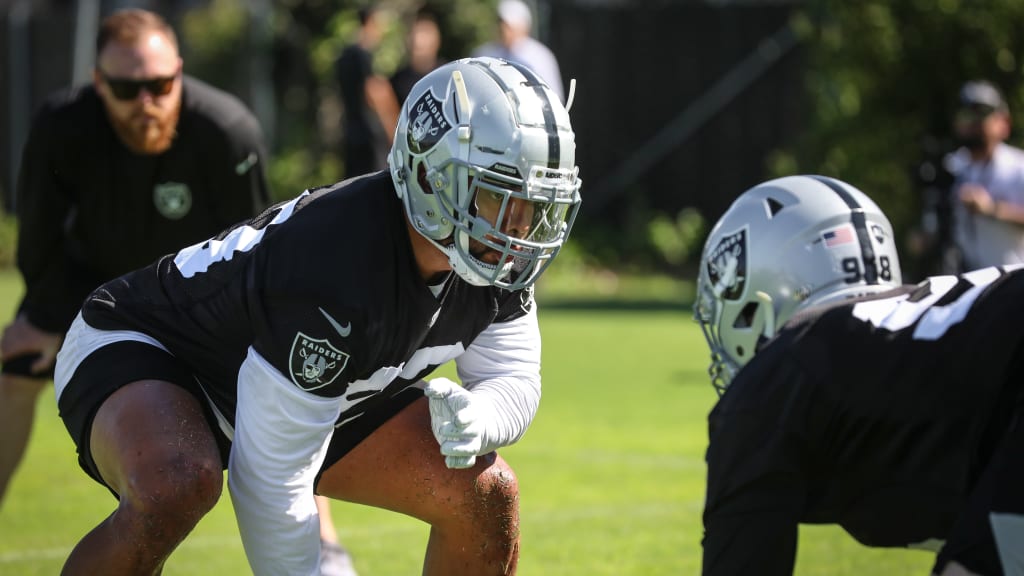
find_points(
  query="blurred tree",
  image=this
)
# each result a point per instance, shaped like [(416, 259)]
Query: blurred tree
[(882, 80), (307, 37)]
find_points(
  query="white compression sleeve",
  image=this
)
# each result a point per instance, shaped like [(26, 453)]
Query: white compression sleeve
[(503, 365), (281, 437)]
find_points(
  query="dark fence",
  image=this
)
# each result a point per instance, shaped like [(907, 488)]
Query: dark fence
[(678, 103), (35, 58)]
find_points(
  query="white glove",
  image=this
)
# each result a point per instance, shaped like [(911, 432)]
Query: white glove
[(459, 421)]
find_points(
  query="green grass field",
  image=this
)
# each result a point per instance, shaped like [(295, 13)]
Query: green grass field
[(611, 471)]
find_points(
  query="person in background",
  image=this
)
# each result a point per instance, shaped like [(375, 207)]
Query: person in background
[(422, 46), (115, 174), (370, 107), (516, 44), (988, 187), (894, 411)]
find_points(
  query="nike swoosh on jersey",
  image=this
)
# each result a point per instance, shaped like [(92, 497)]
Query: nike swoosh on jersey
[(244, 166), (344, 331)]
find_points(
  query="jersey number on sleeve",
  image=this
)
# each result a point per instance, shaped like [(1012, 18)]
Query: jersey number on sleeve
[(933, 321), (198, 258)]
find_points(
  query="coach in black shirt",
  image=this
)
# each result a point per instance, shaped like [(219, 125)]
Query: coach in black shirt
[(138, 164)]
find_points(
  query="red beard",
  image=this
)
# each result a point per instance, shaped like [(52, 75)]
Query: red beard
[(149, 130)]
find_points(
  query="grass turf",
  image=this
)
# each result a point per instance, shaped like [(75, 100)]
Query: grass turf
[(611, 472)]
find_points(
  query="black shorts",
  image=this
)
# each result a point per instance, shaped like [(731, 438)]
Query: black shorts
[(357, 430), (112, 367)]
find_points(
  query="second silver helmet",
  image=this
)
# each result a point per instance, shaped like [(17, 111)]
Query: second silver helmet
[(783, 245)]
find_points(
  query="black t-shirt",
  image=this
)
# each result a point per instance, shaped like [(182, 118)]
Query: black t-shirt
[(405, 78), (402, 82), (90, 209), (878, 415), (360, 125)]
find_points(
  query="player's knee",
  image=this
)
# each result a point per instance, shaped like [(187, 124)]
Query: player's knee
[(496, 492), (184, 487), (487, 498)]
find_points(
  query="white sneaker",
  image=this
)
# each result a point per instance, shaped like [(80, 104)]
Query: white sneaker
[(335, 560)]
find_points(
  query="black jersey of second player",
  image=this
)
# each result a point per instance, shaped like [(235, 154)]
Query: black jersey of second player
[(325, 287), (876, 415)]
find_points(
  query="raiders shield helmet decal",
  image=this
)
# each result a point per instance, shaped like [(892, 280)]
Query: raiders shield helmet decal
[(173, 200), (727, 265), (314, 362), (427, 124)]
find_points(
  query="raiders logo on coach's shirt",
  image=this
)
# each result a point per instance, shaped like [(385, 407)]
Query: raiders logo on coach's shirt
[(173, 200)]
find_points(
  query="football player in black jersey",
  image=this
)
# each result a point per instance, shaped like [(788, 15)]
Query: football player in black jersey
[(290, 349), (850, 399)]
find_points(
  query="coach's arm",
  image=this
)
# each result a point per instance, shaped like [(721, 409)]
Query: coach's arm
[(44, 205)]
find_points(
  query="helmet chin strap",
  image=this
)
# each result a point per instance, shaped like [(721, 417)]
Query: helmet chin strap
[(460, 261), (462, 267)]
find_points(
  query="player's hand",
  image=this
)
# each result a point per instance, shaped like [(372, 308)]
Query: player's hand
[(21, 338), (458, 420)]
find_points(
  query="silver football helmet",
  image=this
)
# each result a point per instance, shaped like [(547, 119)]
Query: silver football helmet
[(484, 161), (782, 246)]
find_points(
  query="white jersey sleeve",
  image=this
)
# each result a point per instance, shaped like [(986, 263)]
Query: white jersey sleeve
[(281, 437), (503, 365)]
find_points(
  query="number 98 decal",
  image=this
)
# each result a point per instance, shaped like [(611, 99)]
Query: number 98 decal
[(870, 272)]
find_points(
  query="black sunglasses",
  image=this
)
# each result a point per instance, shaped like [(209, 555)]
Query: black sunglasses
[(128, 89)]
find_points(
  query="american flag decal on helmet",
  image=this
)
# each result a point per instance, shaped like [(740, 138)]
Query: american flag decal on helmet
[(838, 236)]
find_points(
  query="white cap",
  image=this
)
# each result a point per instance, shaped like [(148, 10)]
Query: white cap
[(515, 13), (982, 93)]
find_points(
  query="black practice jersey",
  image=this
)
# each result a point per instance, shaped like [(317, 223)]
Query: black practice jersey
[(324, 287), (877, 414), (90, 209)]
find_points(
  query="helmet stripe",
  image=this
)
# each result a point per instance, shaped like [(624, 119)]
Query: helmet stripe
[(859, 221), (554, 144)]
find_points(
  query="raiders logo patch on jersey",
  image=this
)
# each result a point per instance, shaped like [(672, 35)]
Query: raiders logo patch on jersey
[(173, 200), (727, 265), (526, 301), (314, 362)]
